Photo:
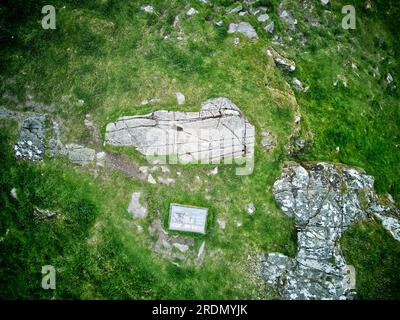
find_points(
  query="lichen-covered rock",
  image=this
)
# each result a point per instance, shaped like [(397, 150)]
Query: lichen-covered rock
[(218, 131), (324, 199), (135, 208), (30, 145)]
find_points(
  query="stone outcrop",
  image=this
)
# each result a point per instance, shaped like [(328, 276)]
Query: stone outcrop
[(325, 200), (30, 145), (218, 131)]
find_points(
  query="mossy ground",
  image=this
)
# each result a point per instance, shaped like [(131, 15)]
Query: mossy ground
[(113, 56)]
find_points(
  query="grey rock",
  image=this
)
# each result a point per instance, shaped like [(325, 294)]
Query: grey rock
[(79, 154), (221, 223), (201, 254), (251, 209), (181, 247), (180, 98), (166, 181), (270, 27), (191, 12), (389, 78), (13, 193), (151, 180), (235, 10), (219, 24), (135, 207), (324, 2), (282, 62), (30, 145), (147, 8), (190, 136), (56, 147), (244, 28), (263, 18), (297, 84), (287, 17), (325, 200), (44, 213), (267, 140)]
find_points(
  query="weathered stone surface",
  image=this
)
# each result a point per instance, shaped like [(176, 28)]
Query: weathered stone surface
[(135, 207), (219, 130), (244, 28), (30, 145), (324, 199), (79, 154)]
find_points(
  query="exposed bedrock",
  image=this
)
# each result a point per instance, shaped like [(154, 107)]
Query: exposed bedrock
[(325, 200), (219, 131)]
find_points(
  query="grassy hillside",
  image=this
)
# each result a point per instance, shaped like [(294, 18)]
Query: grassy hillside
[(112, 55)]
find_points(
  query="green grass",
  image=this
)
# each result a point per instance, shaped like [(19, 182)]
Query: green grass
[(113, 56)]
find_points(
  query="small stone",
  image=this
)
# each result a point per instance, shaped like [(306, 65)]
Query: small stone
[(324, 2), (251, 208), (244, 28), (144, 170), (236, 41), (389, 78), (191, 12), (221, 223), (201, 253), (147, 8), (135, 207), (180, 98), (297, 84), (214, 171), (13, 193), (219, 24), (235, 10), (263, 17), (100, 159), (181, 247), (166, 181)]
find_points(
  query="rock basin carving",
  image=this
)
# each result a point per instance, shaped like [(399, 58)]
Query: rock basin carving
[(219, 131)]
